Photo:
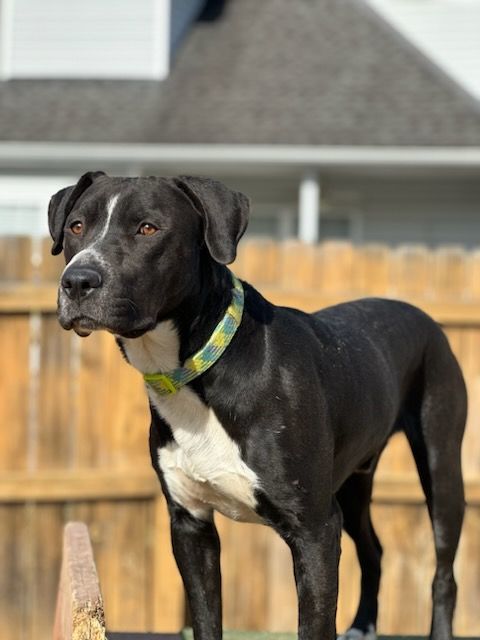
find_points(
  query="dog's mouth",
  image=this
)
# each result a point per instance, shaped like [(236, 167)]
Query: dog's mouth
[(85, 325), (120, 316), (82, 325)]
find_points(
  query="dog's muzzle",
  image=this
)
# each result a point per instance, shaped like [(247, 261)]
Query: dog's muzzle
[(89, 300), (79, 282)]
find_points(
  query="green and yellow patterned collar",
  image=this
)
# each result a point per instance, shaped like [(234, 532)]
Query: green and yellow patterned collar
[(170, 382)]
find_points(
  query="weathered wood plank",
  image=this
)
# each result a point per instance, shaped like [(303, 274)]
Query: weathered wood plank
[(78, 485), (127, 483), (28, 297), (80, 614)]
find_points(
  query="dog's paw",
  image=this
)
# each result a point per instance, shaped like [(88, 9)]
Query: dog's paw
[(358, 634)]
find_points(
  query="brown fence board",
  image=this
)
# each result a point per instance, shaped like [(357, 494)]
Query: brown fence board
[(46, 532), (15, 401), (78, 485), (13, 596), (166, 595), (56, 393), (395, 483), (122, 552)]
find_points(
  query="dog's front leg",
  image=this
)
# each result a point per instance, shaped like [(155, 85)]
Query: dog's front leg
[(196, 548), (316, 553)]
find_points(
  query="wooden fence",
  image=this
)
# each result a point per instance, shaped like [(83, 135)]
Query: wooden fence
[(73, 446)]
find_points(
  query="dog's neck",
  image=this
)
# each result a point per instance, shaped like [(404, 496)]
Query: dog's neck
[(199, 313), (157, 350), (187, 329)]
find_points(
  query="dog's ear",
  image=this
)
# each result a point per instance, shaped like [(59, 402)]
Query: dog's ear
[(224, 213), (62, 203)]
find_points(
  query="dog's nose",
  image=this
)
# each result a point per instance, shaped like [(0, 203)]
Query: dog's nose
[(78, 282)]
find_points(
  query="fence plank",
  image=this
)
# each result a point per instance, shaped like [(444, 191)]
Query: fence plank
[(55, 393), (373, 270), (449, 276), (75, 485), (410, 275), (123, 560), (50, 266), (259, 260), (15, 443), (167, 594), (15, 259), (336, 271), (45, 534), (14, 574), (473, 276)]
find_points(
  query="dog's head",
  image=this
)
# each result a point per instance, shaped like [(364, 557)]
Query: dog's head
[(133, 246)]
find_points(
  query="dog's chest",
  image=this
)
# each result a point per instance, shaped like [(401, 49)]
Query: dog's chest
[(202, 466)]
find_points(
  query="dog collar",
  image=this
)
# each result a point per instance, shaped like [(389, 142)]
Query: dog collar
[(170, 382)]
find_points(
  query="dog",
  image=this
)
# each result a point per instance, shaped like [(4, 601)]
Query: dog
[(263, 413)]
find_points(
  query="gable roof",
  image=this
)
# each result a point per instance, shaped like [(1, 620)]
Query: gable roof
[(309, 72)]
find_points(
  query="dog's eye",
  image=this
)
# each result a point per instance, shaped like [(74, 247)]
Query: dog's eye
[(147, 229), (76, 227)]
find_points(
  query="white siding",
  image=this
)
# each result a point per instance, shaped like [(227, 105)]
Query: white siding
[(85, 38), (448, 31), (416, 210), (24, 203)]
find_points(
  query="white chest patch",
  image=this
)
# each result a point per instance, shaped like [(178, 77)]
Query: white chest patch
[(203, 468)]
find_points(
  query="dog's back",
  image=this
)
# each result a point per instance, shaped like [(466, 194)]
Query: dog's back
[(391, 362), (405, 362)]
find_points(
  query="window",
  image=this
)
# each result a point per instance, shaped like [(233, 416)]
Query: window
[(336, 228)]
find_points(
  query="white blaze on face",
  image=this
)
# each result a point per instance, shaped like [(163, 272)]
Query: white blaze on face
[(92, 249), (202, 466), (110, 209)]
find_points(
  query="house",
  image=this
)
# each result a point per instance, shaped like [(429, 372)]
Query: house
[(332, 122)]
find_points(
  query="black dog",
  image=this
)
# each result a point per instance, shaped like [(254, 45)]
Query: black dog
[(287, 424)]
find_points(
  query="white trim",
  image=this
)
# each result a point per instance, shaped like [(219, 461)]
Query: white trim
[(36, 154), (309, 208), (6, 30)]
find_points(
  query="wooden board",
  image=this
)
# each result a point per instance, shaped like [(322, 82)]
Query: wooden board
[(80, 614)]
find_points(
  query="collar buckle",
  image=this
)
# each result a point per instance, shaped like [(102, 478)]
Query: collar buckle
[(161, 383)]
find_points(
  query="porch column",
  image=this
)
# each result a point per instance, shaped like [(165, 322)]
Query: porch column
[(309, 208)]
